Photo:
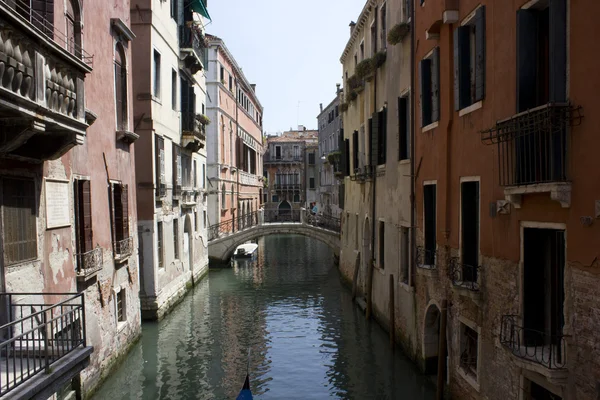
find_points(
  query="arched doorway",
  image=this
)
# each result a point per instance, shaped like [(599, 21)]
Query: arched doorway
[(284, 211), (431, 339), (366, 252), (188, 239)]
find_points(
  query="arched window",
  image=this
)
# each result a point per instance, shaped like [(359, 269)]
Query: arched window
[(73, 22), (121, 87)]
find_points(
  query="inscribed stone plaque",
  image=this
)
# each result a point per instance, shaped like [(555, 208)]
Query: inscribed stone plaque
[(57, 204)]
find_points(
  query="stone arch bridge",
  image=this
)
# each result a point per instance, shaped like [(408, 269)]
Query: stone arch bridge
[(223, 238)]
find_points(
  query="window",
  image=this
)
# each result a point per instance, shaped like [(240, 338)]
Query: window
[(174, 9), (296, 198), (383, 26), (73, 26), (311, 158), (156, 74), (374, 37), (19, 214), (176, 239), (120, 212), (429, 75), (230, 83), (174, 90), (404, 249), (223, 197), (381, 145), (469, 230), (177, 170), (469, 61), (120, 87), (159, 161), (311, 184), (195, 174), (403, 129), (159, 244), (355, 164), (83, 219), (296, 152), (278, 152), (121, 309), (541, 43), (186, 170), (222, 75), (429, 223), (381, 235), (204, 219), (469, 343), (275, 198), (203, 176)]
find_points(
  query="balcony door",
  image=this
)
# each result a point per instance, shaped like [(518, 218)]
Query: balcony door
[(543, 286)]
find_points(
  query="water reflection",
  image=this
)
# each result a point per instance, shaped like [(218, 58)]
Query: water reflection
[(307, 339)]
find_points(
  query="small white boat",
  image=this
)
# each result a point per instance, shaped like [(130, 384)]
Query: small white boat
[(246, 250)]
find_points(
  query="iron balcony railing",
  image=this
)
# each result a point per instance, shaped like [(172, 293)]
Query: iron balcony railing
[(190, 37), (89, 263), (532, 345), (47, 28), (191, 123), (287, 186), (426, 258), (123, 248), (362, 174), (533, 146), (37, 334), (282, 215), (233, 225), (324, 221), (463, 275), (281, 159)]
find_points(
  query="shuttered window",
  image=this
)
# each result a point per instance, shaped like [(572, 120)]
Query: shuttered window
[(120, 87), (159, 160), (176, 238), (159, 243), (355, 150), (429, 78), (177, 170), (83, 216), (469, 61), (403, 129), (19, 220), (382, 137), (120, 211)]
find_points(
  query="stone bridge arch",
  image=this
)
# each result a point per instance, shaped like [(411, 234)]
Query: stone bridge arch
[(221, 249)]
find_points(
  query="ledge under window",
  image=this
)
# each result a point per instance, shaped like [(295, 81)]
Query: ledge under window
[(430, 127), (471, 108), (127, 136), (559, 191)]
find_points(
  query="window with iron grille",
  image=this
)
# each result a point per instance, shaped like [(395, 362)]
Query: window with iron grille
[(19, 217), (159, 244), (119, 211), (121, 311), (176, 238), (83, 216), (469, 340)]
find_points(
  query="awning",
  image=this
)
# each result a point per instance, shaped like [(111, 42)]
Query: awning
[(199, 7)]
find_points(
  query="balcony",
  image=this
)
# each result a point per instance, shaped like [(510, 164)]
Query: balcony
[(248, 179), (537, 351), (287, 186), (43, 342), (42, 73), (193, 46), (122, 249), (89, 263), (273, 159), (363, 174), (533, 152), (463, 276), (425, 258), (193, 135)]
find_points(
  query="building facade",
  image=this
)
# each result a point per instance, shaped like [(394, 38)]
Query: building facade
[(67, 184), (287, 161), (330, 193), (235, 143), (169, 109), (506, 197)]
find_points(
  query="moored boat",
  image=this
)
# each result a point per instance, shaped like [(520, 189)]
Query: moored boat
[(246, 250)]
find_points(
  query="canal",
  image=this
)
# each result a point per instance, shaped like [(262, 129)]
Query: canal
[(307, 339)]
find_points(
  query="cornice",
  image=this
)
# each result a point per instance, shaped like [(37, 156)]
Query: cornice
[(362, 19)]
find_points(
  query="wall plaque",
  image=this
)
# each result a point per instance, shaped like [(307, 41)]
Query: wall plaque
[(57, 204)]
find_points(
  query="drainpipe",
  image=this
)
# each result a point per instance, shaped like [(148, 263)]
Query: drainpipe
[(237, 125), (413, 178)]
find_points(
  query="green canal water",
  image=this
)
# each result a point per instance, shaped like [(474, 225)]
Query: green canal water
[(307, 339)]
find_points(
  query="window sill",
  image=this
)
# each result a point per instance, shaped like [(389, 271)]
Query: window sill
[(121, 325), (156, 100), (430, 126), (405, 161), (559, 191), (471, 108), (472, 381), (427, 270), (406, 287)]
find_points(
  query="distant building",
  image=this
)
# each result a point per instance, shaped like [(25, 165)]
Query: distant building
[(170, 98), (330, 191), (291, 172), (235, 143)]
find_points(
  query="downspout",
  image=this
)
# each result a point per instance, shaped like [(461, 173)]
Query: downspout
[(413, 178), (237, 129)]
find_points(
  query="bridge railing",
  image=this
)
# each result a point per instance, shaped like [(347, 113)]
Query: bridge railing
[(277, 215), (324, 221), (233, 225)]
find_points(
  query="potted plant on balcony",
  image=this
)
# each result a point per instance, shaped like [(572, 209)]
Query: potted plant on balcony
[(398, 33), (344, 107), (366, 69), (351, 96), (203, 119), (379, 58)]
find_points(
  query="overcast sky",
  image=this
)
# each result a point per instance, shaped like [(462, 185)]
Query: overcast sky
[(290, 49)]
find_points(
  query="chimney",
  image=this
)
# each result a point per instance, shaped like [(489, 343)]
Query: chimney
[(253, 87), (321, 106), (337, 90), (352, 25)]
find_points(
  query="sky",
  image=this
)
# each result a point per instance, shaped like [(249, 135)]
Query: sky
[(290, 49)]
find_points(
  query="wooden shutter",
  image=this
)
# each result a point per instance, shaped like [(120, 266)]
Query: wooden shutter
[(119, 93), (403, 128), (374, 136), (558, 51), (119, 214), (43, 16), (125, 206), (425, 86), (480, 38), (435, 85), (86, 216), (526, 59), (113, 219)]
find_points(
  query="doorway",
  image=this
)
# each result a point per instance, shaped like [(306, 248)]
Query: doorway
[(284, 211), (431, 339)]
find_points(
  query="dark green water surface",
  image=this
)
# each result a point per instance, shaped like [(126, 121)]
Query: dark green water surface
[(307, 339)]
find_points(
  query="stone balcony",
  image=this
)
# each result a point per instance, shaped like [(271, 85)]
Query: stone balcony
[(193, 136), (249, 179), (42, 108)]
